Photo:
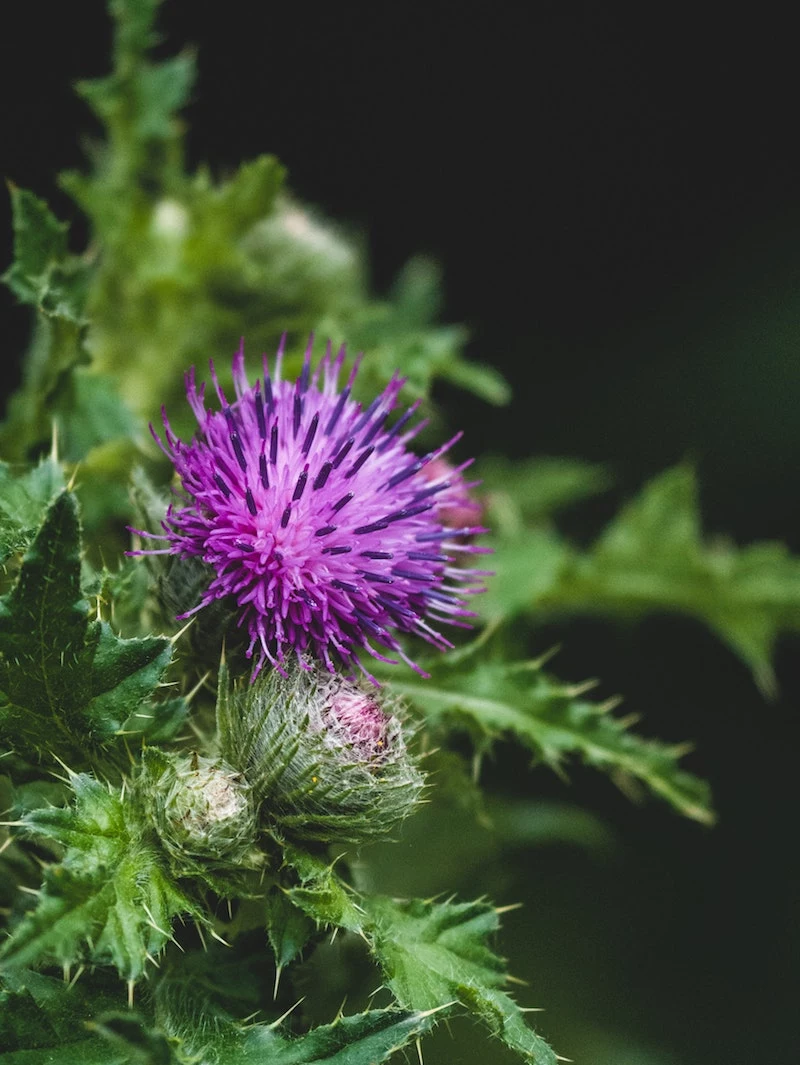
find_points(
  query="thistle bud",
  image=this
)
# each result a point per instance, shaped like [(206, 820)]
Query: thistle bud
[(201, 807), (325, 759)]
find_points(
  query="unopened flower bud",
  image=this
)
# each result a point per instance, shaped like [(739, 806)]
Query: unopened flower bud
[(324, 757), (202, 807)]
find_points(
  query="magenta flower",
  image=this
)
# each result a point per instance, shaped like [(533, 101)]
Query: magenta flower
[(316, 518)]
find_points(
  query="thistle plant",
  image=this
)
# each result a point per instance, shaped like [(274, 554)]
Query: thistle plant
[(206, 726)]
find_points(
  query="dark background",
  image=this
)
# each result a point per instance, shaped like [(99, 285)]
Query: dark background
[(613, 197)]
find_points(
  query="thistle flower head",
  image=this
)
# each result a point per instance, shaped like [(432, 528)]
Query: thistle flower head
[(316, 518), (325, 759)]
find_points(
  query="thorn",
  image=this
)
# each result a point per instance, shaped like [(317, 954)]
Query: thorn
[(71, 772), (29, 890), (278, 971), (531, 1009), (78, 973), (54, 442), (507, 909), (219, 938), (609, 704), (418, 1043), (151, 959), (202, 937), (8, 842), (177, 636), (559, 1058), (517, 980), (438, 1009), (283, 1016), (131, 985), (198, 686), (574, 690), (152, 921)]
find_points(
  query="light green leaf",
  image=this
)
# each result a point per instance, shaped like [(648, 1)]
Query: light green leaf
[(361, 1039), (320, 892), (37, 274), (110, 900), (433, 953), (526, 568), (23, 501), (534, 489), (653, 557), (493, 698)]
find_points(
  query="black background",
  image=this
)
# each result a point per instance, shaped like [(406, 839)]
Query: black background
[(613, 197)]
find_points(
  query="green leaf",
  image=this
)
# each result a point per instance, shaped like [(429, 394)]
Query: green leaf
[(537, 488), (44, 669), (526, 568), (23, 501), (48, 278), (111, 899), (653, 557), (289, 928), (125, 673), (494, 698), (320, 892), (361, 1039), (44, 1021), (40, 250), (434, 953), (129, 1035), (63, 679), (368, 1038)]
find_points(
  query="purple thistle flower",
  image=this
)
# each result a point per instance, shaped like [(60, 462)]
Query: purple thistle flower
[(316, 518)]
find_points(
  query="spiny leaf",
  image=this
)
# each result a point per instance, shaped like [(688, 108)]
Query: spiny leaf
[(652, 557), (63, 679), (111, 899), (23, 501), (37, 274), (320, 892), (44, 669), (495, 698), (208, 1036), (288, 926), (125, 673), (433, 953)]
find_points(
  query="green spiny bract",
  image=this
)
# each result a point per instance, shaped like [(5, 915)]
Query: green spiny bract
[(325, 760)]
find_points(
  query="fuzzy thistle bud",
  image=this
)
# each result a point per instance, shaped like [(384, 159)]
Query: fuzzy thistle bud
[(201, 807), (325, 759)]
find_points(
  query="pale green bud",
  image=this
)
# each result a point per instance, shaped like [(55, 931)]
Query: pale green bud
[(326, 759), (201, 807)]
